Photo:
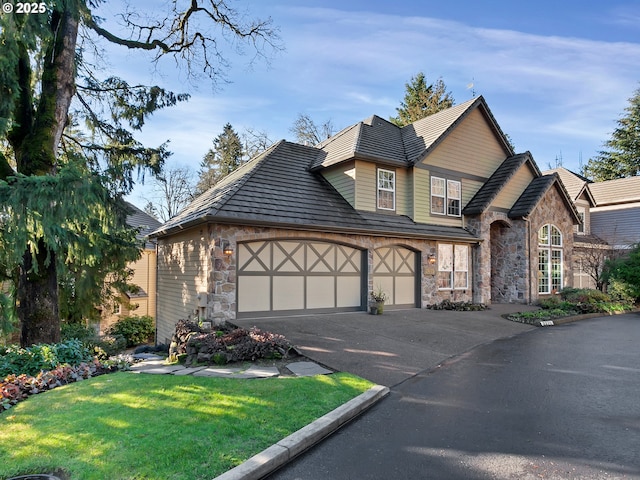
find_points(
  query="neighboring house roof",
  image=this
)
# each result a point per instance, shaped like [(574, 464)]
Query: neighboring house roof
[(575, 184), (145, 222), (380, 140), (490, 189), (612, 192), (277, 189), (534, 193)]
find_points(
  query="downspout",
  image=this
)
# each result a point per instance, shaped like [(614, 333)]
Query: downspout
[(529, 257)]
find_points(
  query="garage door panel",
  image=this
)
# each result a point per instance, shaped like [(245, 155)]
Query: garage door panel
[(288, 257), (255, 292), (321, 292), (405, 290), (349, 291), (288, 293)]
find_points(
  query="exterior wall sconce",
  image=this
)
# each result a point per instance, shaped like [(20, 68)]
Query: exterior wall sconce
[(227, 249), (431, 259)]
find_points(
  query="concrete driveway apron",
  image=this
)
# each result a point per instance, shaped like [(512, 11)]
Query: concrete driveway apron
[(390, 348)]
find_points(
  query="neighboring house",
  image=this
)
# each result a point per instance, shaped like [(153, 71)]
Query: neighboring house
[(441, 209), (142, 301), (610, 221), (616, 215)]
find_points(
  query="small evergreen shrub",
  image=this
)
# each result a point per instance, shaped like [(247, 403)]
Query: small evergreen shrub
[(135, 330)]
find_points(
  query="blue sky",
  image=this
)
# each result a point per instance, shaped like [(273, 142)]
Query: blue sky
[(556, 74)]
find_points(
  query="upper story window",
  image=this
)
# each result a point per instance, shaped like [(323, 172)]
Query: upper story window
[(386, 189), (446, 197)]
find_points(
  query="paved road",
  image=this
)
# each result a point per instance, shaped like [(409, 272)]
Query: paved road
[(556, 403)]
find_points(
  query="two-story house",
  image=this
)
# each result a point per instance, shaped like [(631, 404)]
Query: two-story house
[(439, 209)]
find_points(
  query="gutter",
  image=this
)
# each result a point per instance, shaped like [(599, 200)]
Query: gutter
[(315, 228)]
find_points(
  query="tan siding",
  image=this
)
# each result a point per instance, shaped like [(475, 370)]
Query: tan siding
[(469, 189), (404, 191), (514, 188), (343, 179), (421, 201), (182, 274), (471, 148), (144, 276), (365, 186)]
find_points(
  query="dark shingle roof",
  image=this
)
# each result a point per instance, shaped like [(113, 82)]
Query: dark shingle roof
[(490, 189), (380, 140), (278, 189), (534, 193), (145, 222)]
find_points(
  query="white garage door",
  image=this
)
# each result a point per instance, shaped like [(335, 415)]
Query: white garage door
[(395, 272), (290, 276)]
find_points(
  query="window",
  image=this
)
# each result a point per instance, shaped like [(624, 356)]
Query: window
[(117, 309), (386, 189), (550, 269), (437, 195), (453, 266), (445, 192), (453, 198)]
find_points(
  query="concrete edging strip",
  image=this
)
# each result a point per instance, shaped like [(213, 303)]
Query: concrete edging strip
[(289, 447)]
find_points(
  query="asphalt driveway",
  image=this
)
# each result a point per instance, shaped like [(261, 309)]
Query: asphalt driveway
[(390, 348)]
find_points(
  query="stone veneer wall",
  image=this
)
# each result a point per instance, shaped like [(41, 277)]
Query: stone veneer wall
[(505, 264), (552, 209), (222, 277)]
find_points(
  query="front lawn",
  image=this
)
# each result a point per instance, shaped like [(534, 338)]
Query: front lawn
[(128, 426)]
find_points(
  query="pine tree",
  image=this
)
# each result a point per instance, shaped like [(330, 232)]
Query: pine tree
[(62, 217), (622, 155), (422, 100), (225, 156)]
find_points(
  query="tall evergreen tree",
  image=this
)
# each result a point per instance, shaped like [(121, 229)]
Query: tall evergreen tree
[(60, 189), (225, 156), (621, 158), (421, 100)]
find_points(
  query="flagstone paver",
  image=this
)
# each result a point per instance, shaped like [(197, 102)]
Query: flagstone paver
[(307, 369)]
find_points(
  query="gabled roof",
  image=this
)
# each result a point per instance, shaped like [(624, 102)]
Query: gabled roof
[(575, 184), (490, 189), (145, 222), (534, 193), (612, 192), (377, 139), (277, 189)]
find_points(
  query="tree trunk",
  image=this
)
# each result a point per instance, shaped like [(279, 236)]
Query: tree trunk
[(35, 141), (37, 296)]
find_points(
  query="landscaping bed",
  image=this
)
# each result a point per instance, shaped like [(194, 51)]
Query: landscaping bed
[(572, 302)]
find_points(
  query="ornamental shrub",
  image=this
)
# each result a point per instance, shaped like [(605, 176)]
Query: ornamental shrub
[(43, 357), (135, 330)]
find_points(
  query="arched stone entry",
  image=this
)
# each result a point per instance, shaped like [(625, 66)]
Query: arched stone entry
[(508, 262), (499, 285)]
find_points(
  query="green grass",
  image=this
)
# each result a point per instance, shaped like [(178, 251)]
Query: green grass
[(127, 426)]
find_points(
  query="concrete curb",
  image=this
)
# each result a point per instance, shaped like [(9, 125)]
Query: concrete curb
[(289, 447), (584, 316)]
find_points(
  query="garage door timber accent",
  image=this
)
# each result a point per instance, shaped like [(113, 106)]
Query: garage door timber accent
[(293, 276), (395, 271)]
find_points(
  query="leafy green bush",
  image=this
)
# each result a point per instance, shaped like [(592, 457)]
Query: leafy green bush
[(136, 330), (554, 302), (43, 357), (584, 295)]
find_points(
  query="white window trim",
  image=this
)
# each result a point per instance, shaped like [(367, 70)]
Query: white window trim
[(458, 198), (392, 190), (550, 248), (453, 270), (444, 196)]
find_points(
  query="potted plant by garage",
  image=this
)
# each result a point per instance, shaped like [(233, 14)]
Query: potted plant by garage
[(378, 297)]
